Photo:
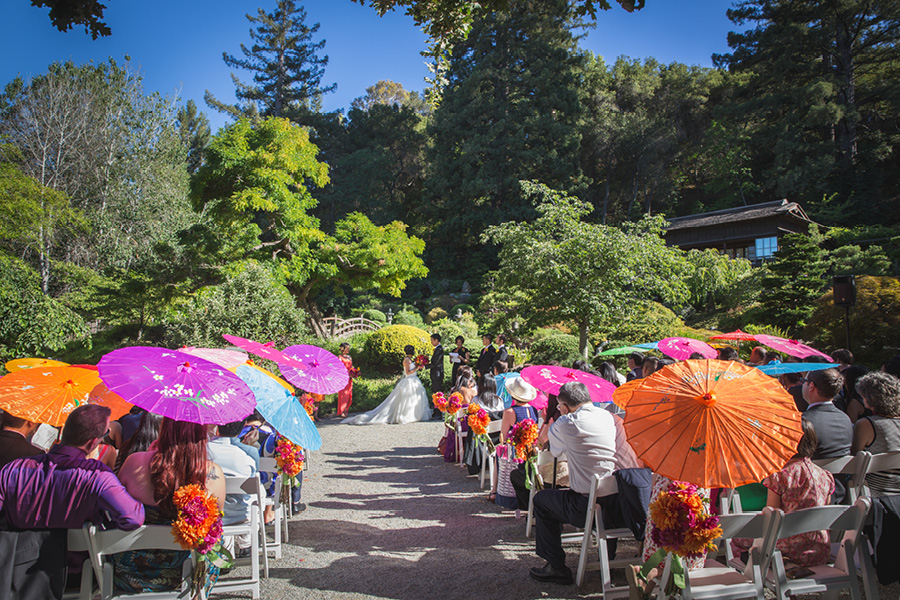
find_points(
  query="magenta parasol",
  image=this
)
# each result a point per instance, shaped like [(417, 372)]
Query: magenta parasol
[(323, 372), (230, 359), (790, 347), (681, 348), (176, 385), (267, 350), (549, 379)]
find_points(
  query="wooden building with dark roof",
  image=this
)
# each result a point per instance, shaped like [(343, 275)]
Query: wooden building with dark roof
[(750, 232)]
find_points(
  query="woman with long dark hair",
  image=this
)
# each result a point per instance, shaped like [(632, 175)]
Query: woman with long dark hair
[(152, 477), (140, 441)]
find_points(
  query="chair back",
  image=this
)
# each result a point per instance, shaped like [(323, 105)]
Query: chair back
[(602, 486), (878, 463), (148, 537), (807, 520), (494, 426), (245, 485)]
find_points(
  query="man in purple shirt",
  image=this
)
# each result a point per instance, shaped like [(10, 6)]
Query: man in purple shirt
[(61, 490)]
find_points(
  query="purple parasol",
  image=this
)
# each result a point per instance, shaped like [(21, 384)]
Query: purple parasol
[(323, 372), (267, 350), (681, 348), (176, 385)]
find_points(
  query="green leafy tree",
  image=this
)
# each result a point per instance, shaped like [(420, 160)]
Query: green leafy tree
[(255, 190), (853, 260), (795, 279), (510, 111), (66, 14), (714, 277), (583, 273), (285, 62), (31, 323), (389, 93)]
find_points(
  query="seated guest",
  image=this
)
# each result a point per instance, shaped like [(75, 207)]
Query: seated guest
[(226, 450), (880, 432), (649, 366), (728, 353), (800, 484), (147, 433), (587, 435), (14, 439), (180, 459), (758, 356), (522, 394), (635, 366), (834, 431), (849, 400), (487, 399), (56, 491)]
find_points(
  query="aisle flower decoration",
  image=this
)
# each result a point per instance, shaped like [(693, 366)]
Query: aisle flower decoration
[(198, 528), (454, 403), (421, 361), (309, 403), (289, 459), (440, 401), (523, 436), (479, 420), (682, 525)]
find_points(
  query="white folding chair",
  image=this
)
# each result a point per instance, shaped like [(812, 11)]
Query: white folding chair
[(730, 502), (252, 527), (854, 466), (595, 533), (715, 580), (79, 540), (280, 525), (487, 459), (543, 458), (849, 521), (877, 463), (460, 436), (149, 537)]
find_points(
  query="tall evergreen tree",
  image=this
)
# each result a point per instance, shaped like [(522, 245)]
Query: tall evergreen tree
[(285, 62), (823, 99), (195, 134), (510, 112)]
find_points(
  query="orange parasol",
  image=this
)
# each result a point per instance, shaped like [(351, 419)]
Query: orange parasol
[(713, 423), (46, 395), (20, 364), (623, 393), (104, 397)]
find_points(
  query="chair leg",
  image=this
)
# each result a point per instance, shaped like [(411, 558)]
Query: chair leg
[(529, 520), (583, 555)]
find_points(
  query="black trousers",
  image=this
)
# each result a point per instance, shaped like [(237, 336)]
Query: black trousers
[(552, 508)]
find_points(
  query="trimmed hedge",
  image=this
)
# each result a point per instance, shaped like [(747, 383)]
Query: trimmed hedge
[(435, 314), (384, 348), (562, 348), (374, 315), (409, 317)]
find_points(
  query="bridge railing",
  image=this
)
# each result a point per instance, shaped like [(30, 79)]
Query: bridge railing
[(338, 328)]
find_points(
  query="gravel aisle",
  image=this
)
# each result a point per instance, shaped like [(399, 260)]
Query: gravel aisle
[(388, 518)]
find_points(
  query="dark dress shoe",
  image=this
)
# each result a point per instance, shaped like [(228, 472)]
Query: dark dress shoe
[(550, 575)]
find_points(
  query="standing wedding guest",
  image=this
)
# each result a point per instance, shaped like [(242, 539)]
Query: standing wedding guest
[(502, 351), (487, 356), (880, 432), (757, 356), (14, 439), (461, 358), (843, 357), (436, 370), (587, 435), (345, 396), (180, 458)]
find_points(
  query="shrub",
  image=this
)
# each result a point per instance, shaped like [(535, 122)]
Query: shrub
[(562, 348), (651, 322), (384, 348), (374, 315), (874, 321), (435, 314), (251, 303), (464, 308), (409, 316)]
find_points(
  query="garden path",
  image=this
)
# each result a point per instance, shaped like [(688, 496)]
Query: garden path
[(388, 518)]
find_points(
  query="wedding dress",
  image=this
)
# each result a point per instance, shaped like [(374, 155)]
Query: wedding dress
[(408, 402)]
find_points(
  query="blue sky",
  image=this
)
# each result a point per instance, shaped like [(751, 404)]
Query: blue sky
[(178, 45)]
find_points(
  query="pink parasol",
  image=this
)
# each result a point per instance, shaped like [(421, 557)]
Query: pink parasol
[(549, 379), (790, 347), (229, 359), (267, 350), (322, 372), (737, 334), (176, 385), (681, 348)]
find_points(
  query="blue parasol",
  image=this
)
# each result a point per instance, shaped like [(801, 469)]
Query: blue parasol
[(647, 346), (501, 387), (774, 369), (281, 408)]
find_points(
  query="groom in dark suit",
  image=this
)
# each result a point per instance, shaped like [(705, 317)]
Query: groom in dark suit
[(437, 368)]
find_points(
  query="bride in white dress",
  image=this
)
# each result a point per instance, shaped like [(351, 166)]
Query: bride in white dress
[(408, 402)]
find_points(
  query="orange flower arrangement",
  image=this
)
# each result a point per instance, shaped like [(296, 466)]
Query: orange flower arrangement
[(523, 435), (478, 420), (289, 458), (198, 528), (440, 401), (681, 522)]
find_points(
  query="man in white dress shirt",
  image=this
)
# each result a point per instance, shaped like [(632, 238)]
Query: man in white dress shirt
[(587, 435)]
